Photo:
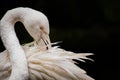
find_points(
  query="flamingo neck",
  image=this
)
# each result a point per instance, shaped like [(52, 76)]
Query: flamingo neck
[(16, 52)]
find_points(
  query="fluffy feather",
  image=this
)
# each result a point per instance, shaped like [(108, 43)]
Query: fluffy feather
[(52, 64)]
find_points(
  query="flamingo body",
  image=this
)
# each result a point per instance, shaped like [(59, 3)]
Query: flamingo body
[(43, 61)]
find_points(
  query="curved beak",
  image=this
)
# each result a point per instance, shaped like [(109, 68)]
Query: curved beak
[(44, 40)]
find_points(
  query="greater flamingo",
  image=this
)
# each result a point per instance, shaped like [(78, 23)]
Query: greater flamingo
[(36, 60)]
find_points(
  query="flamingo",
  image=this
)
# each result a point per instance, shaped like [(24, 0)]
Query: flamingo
[(36, 60)]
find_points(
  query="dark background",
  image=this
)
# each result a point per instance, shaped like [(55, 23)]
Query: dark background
[(83, 26)]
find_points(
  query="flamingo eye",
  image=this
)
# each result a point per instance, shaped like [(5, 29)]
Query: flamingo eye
[(41, 28)]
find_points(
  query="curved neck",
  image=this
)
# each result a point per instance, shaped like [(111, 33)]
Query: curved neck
[(10, 41)]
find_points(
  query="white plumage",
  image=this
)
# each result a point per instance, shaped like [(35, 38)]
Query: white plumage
[(43, 64)]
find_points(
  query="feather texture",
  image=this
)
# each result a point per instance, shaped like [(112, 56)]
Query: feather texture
[(52, 64)]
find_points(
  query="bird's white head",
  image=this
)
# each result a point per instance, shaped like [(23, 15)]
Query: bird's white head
[(37, 25)]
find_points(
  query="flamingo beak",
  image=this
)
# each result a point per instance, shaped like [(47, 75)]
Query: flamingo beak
[(45, 38)]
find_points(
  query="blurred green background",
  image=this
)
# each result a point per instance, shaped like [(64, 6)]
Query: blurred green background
[(82, 26)]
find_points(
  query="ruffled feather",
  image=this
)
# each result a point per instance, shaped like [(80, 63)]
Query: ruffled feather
[(52, 64)]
